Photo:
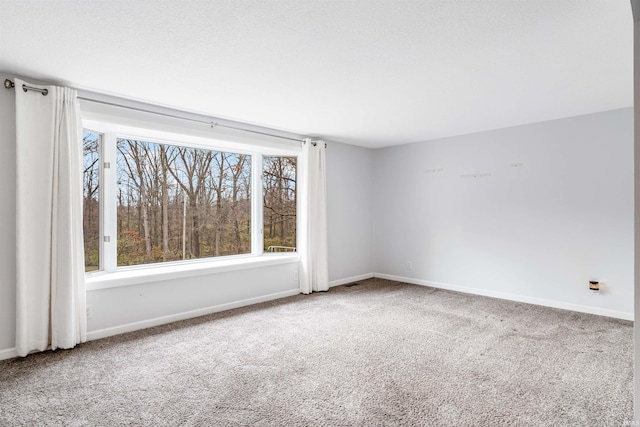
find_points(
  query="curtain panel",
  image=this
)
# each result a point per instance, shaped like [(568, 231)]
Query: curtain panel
[(314, 276), (50, 289)]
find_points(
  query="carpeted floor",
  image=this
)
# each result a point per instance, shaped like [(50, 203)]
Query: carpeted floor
[(377, 354)]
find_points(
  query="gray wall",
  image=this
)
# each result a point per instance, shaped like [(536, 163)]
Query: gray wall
[(7, 218), (536, 232), (635, 4), (350, 215)]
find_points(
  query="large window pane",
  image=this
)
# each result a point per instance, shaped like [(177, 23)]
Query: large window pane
[(179, 203), (279, 195), (91, 200)]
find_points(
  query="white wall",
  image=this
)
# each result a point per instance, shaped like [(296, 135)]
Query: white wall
[(125, 308), (350, 214), (538, 232), (132, 307)]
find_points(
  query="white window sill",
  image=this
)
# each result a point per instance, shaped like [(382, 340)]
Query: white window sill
[(157, 272)]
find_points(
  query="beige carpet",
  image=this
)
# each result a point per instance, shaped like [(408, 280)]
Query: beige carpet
[(377, 354)]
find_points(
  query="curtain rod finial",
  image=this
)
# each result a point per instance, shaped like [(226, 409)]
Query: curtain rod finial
[(8, 84)]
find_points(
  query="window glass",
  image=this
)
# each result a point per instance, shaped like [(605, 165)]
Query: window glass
[(279, 207), (177, 203), (91, 200)]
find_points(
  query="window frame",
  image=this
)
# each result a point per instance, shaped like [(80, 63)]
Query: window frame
[(109, 273)]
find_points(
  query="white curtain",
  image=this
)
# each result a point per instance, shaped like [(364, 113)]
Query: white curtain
[(50, 290), (314, 275)]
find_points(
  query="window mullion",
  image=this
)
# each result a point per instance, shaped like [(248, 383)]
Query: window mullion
[(257, 236), (110, 203)]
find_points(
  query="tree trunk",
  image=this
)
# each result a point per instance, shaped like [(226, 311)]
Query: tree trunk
[(165, 205), (195, 241), (145, 224)]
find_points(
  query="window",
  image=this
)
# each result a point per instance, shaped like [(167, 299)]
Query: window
[(91, 200), (279, 189), (178, 203), (149, 200)]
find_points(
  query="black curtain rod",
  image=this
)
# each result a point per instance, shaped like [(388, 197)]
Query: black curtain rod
[(8, 84)]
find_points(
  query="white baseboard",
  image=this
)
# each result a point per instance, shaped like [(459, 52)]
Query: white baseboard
[(9, 353), (512, 297), (130, 327), (350, 280)]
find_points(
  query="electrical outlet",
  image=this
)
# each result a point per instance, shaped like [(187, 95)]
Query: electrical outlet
[(295, 276), (89, 311), (409, 265)]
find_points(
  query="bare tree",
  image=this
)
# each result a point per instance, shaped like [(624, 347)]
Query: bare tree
[(91, 213), (193, 167), (165, 203), (279, 200), (133, 155), (237, 173)]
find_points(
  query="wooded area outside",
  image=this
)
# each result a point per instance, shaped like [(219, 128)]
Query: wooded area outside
[(176, 202), (279, 203), (91, 201)]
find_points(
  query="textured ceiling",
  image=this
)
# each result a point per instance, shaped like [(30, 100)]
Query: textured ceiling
[(372, 73)]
